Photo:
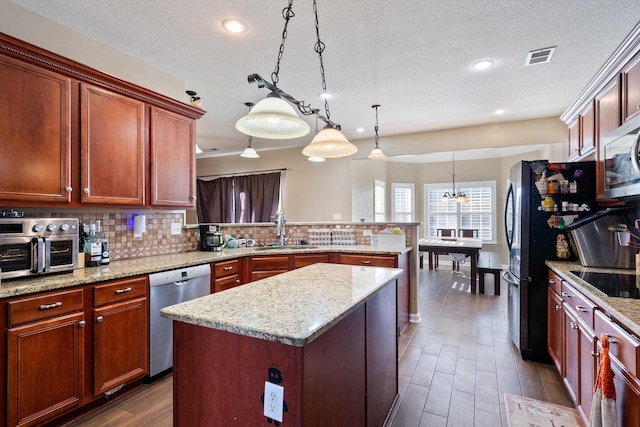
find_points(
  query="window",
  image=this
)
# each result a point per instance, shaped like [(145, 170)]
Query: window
[(379, 214), (402, 202), (478, 213)]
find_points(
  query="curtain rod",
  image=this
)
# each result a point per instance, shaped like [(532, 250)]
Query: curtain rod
[(242, 173)]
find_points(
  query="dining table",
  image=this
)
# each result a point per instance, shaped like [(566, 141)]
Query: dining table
[(465, 245)]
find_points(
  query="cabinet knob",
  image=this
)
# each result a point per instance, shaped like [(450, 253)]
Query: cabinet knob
[(82, 323), (99, 319), (638, 107), (558, 307), (86, 191), (595, 353), (238, 281), (69, 189)]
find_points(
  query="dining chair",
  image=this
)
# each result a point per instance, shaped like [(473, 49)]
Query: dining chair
[(443, 232), (466, 232)]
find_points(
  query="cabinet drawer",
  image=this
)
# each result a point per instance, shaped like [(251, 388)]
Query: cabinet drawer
[(227, 268), (580, 304), (624, 346), (257, 275), (370, 260), (268, 263), (555, 282), (304, 260), (120, 290), (225, 283), (42, 306)]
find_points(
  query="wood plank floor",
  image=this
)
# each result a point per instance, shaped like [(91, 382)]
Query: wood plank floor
[(454, 366)]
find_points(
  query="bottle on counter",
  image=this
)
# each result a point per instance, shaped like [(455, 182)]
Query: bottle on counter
[(92, 248), (105, 245)]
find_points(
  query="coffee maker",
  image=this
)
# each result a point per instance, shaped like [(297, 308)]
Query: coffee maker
[(210, 238)]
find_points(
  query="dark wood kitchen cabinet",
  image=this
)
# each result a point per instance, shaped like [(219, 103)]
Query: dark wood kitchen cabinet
[(35, 130), (120, 334), (112, 147), (173, 161), (75, 137), (45, 362), (555, 330), (226, 275), (607, 106), (267, 266), (631, 88)]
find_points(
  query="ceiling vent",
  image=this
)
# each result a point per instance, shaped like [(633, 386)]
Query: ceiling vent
[(540, 56)]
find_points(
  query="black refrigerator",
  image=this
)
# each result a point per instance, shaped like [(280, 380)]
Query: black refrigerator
[(542, 199)]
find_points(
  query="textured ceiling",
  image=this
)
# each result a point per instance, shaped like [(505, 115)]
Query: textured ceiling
[(413, 57)]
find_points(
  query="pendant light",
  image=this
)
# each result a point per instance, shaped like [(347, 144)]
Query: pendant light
[(376, 153), (329, 142), (273, 117), (459, 197), (316, 159), (249, 152)]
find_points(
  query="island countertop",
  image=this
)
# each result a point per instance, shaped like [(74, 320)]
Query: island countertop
[(292, 308)]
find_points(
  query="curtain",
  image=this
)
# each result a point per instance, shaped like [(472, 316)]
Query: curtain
[(256, 197), (215, 198), (239, 199)]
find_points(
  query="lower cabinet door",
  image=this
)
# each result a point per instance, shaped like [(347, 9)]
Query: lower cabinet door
[(120, 344), (45, 369)]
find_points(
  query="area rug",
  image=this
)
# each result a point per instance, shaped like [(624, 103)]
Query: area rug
[(525, 412)]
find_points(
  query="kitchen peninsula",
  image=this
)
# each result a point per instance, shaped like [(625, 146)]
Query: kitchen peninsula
[(325, 332)]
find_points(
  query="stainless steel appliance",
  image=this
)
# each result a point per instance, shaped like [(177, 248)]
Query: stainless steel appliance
[(597, 245), (30, 246), (621, 161), (210, 238), (531, 240), (170, 288)]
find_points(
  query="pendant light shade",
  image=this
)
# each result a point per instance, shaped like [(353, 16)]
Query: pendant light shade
[(273, 118), (329, 143), (250, 152)]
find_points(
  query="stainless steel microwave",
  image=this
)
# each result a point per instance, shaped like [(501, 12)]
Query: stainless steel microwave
[(30, 246), (621, 161)]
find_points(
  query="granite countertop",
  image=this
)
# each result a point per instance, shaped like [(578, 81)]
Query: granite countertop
[(626, 311), (153, 264), (291, 308)]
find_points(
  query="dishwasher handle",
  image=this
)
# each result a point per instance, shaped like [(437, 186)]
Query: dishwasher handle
[(182, 282)]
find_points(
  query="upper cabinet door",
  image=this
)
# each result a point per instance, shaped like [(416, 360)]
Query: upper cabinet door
[(173, 140), (631, 88), (112, 148), (35, 134)]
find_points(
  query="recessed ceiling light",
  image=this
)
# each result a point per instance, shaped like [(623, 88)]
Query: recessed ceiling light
[(360, 130), (499, 112), (482, 65), (235, 25)]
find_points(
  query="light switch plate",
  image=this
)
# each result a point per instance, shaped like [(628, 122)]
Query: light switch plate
[(273, 401), (176, 228)]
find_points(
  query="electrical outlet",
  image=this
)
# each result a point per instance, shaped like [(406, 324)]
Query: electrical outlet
[(176, 228), (366, 232), (273, 401), (337, 217)]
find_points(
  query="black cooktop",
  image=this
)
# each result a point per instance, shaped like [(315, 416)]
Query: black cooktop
[(612, 285)]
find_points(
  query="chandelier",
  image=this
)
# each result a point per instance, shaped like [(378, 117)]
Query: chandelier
[(459, 197), (376, 153), (275, 118)]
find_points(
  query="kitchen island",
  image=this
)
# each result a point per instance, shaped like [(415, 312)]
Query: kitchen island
[(326, 333)]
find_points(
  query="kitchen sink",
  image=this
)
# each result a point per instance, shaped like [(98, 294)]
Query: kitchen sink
[(284, 248)]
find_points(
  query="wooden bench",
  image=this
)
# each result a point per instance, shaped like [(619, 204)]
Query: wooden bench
[(489, 262)]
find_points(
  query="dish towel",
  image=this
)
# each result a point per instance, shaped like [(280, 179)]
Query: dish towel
[(603, 410)]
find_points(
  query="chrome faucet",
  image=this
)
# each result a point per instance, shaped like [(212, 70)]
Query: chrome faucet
[(280, 222)]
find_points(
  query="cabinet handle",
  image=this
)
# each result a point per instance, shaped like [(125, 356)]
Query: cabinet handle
[(595, 353), (611, 340), (122, 291), (558, 307), (581, 308), (574, 326), (48, 306), (552, 281), (99, 319), (566, 294), (638, 107), (82, 323), (69, 189), (366, 261), (228, 268)]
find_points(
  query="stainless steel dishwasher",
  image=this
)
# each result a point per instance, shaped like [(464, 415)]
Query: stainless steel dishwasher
[(170, 288)]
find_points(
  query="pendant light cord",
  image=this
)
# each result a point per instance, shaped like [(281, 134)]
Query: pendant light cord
[(376, 128), (287, 14), (319, 48)]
